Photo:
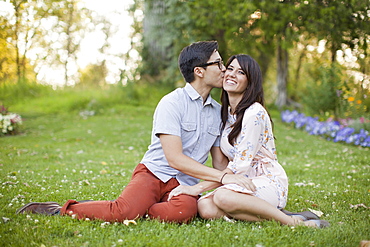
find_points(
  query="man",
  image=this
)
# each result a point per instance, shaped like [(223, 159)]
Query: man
[(186, 127)]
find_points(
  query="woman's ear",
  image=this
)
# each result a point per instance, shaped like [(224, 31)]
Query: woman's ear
[(198, 71)]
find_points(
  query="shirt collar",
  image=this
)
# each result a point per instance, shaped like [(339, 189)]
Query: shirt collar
[(194, 95)]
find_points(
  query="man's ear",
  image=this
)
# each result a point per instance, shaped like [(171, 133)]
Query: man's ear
[(199, 72)]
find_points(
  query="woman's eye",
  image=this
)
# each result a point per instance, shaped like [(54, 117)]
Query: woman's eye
[(241, 72), (228, 68)]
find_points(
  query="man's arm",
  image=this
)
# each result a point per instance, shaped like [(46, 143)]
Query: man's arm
[(219, 161), (172, 148)]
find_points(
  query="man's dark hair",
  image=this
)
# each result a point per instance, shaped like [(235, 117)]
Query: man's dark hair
[(193, 55)]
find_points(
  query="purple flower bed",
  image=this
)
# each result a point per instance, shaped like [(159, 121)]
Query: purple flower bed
[(330, 130)]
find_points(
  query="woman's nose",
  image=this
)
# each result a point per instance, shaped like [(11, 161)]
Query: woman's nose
[(232, 73)]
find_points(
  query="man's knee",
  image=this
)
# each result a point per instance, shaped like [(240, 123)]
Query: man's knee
[(180, 209)]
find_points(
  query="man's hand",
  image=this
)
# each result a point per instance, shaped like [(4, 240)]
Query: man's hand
[(183, 189), (239, 180)]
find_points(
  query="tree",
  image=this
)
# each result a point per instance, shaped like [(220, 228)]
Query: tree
[(169, 25), (264, 29), (20, 34), (7, 52), (345, 25), (282, 23), (340, 22), (67, 23), (234, 24)]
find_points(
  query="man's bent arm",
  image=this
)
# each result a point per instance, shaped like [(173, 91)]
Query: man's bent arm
[(172, 148)]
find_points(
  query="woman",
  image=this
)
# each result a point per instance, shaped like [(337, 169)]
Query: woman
[(248, 142)]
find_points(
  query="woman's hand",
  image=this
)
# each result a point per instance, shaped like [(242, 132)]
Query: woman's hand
[(183, 189), (239, 180)]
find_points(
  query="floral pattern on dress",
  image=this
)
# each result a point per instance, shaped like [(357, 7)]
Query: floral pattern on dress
[(254, 155)]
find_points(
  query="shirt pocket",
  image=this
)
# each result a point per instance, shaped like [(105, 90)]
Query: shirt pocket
[(188, 126), (188, 133), (213, 131), (212, 134)]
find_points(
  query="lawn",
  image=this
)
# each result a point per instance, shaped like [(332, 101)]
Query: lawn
[(64, 156)]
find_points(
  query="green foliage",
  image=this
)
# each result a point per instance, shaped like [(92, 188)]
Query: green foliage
[(327, 92), (360, 123), (321, 94), (7, 54), (60, 157), (13, 93), (68, 100), (256, 28), (340, 22)]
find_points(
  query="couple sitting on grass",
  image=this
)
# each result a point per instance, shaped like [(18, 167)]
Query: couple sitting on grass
[(188, 124)]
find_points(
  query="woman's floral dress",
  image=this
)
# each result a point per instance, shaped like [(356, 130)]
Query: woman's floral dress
[(254, 155)]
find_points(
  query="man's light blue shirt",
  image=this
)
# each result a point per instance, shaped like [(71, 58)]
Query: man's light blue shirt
[(182, 113)]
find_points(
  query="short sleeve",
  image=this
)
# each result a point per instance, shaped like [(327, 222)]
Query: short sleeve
[(167, 119)]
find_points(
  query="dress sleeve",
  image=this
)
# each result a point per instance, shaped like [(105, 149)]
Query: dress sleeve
[(253, 135)]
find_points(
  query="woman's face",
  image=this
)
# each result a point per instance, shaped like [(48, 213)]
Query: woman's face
[(235, 80)]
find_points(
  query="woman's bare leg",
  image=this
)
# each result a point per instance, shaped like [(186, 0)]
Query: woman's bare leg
[(207, 209), (250, 208)]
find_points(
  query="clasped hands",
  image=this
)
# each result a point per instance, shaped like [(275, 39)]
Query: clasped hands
[(229, 178)]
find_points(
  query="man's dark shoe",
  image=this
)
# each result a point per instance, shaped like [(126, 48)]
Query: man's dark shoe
[(47, 208)]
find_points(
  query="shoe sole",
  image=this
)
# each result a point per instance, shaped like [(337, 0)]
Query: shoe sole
[(321, 223), (23, 209), (307, 214)]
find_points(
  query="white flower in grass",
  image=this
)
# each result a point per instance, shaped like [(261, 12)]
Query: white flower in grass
[(102, 225), (6, 219), (127, 222), (228, 219)]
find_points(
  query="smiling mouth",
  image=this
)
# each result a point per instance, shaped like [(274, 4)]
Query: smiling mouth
[(230, 82)]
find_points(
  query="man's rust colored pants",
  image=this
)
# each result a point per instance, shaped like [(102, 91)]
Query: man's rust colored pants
[(145, 194)]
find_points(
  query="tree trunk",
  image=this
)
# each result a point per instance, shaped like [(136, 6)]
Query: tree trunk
[(282, 75), (16, 32), (69, 41), (264, 60)]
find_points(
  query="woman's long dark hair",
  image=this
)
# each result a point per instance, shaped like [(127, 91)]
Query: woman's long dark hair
[(253, 93)]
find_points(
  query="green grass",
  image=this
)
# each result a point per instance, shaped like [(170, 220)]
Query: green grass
[(63, 156)]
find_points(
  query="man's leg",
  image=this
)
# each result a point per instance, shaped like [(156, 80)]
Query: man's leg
[(142, 192), (180, 209)]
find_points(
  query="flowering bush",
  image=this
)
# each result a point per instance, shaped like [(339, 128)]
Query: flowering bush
[(331, 130), (9, 122)]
